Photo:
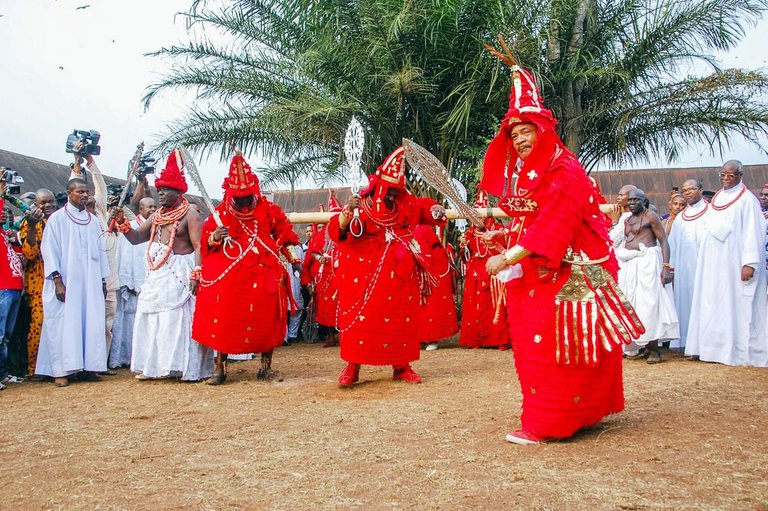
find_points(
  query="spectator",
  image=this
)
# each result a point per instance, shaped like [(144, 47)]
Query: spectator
[(11, 275), (76, 268), (30, 235)]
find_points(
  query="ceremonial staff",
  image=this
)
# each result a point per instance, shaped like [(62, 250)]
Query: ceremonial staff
[(133, 166), (354, 141), (194, 174), (431, 170)]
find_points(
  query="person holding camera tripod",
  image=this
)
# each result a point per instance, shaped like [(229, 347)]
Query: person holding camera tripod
[(105, 198)]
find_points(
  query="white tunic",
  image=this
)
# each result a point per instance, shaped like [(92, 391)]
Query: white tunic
[(684, 245), (640, 281), (162, 332), (72, 338), (131, 270), (728, 316)]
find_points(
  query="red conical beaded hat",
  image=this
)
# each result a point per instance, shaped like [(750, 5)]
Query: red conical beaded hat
[(241, 181), (525, 106), (482, 199), (173, 173), (334, 206), (390, 174), (392, 171)]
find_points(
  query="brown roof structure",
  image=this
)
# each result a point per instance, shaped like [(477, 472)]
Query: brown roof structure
[(656, 183), (39, 173)]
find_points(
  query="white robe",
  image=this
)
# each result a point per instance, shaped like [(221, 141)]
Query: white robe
[(640, 281), (728, 316), (72, 337), (684, 245), (131, 269), (162, 333)]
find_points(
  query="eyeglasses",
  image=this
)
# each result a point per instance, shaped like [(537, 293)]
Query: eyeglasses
[(685, 190), (727, 174)]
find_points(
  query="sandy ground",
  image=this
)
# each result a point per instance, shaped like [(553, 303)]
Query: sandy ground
[(693, 436)]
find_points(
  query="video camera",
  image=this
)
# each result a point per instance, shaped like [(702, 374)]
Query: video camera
[(146, 165), (12, 178), (89, 139)]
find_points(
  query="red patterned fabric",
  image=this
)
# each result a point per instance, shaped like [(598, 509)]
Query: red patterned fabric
[(378, 282), (438, 314), (477, 311), (173, 173), (323, 276), (241, 181), (554, 207), (245, 311), (559, 399)]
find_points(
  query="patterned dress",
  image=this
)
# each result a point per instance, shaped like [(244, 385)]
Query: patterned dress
[(33, 288)]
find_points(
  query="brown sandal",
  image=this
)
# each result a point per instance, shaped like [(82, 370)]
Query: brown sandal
[(61, 382)]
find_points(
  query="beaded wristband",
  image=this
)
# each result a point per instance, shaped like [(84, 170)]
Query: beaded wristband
[(197, 274), (212, 241)]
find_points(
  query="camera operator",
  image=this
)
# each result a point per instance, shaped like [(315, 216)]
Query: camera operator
[(101, 206)]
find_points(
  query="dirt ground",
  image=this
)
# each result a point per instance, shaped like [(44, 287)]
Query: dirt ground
[(693, 436)]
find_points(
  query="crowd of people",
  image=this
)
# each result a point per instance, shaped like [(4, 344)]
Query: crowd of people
[(156, 286), (697, 278)]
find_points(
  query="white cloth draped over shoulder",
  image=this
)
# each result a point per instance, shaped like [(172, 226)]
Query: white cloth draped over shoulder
[(162, 333), (684, 245), (72, 337), (728, 316), (640, 280), (131, 269)]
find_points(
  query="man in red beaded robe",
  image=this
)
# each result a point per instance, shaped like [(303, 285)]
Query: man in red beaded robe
[(381, 276), (483, 316), (243, 297), (437, 319), (320, 263), (567, 318)]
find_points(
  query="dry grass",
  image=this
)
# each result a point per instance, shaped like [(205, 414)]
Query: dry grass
[(693, 437)]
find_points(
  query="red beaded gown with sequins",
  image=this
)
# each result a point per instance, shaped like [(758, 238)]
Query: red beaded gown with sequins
[(438, 311), (242, 301), (567, 339), (323, 276), (380, 275), (478, 309)]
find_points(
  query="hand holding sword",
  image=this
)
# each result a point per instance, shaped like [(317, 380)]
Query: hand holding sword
[(221, 231)]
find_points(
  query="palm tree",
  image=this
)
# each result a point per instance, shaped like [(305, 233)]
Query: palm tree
[(282, 78)]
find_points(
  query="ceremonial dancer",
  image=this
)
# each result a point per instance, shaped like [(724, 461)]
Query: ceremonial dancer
[(242, 303), (320, 263), (684, 248), (437, 318), (644, 271), (131, 263), (563, 301), (75, 268), (483, 314), (381, 276), (729, 297), (162, 334)]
